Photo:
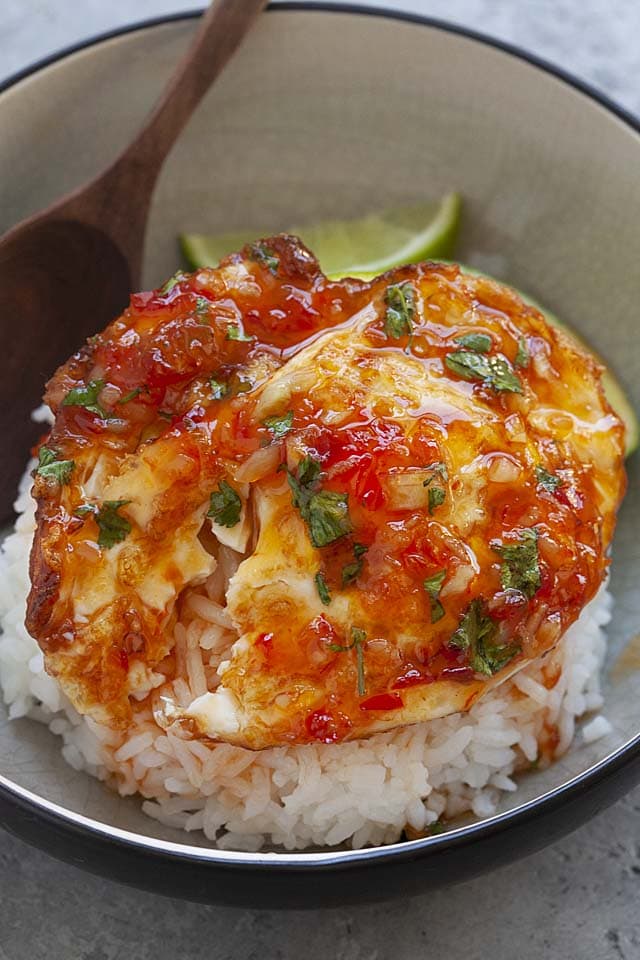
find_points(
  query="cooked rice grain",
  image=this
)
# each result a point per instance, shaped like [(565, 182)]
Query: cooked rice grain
[(365, 792)]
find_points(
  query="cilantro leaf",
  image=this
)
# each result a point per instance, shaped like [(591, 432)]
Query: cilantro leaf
[(433, 585), (547, 480), (522, 356), (400, 301), (234, 332), (328, 517), (322, 588), (87, 397), (202, 306), (437, 494), (279, 426), (351, 571), (520, 569), (172, 282), (326, 513), (495, 372), (478, 342), (50, 466), (112, 528), (476, 635), (263, 255), (225, 505), (436, 497), (308, 471), (218, 389), (133, 394)]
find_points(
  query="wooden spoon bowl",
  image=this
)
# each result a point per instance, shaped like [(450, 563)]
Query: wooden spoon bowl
[(67, 271)]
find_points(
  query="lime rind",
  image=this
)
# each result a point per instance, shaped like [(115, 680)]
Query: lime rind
[(371, 245)]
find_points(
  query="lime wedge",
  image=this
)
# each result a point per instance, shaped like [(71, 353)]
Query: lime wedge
[(370, 245)]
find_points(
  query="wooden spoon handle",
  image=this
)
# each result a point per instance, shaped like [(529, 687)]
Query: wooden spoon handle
[(223, 26)]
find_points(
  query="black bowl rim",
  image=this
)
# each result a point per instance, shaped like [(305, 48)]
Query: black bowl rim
[(585, 781)]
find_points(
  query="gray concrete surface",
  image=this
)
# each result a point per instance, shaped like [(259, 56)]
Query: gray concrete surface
[(577, 899)]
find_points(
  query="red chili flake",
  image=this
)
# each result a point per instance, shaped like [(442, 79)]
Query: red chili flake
[(412, 678), (119, 658), (139, 301), (461, 674), (327, 727), (507, 605), (322, 630), (371, 494), (450, 653), (547, 580), (383, 701), (570, 496), (265, 642)]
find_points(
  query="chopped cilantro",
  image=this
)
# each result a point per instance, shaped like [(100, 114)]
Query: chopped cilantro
[(50, 466), (172, 282), (279, 426), (263, 255), (133, 394), (496, 372), (476, 634), (433, 585), (400, 301), (202, 306), (225, 505), (478, 342), (308, 471), (351, 571), (323, 589), (522, 356), (325, 512), (520, 568), (218, 389), (358, 637), (112, 528), (436, 497), (87, 397), (328, 517), (547, 480), (437, 494), (436, 828), (234, 332)]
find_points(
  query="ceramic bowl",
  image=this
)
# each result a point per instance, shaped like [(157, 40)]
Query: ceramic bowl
[(331, 112)]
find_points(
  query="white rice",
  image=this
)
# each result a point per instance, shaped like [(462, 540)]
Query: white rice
[(360, 793)]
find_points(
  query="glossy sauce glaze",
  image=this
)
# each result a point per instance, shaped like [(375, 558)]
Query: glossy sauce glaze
[(421, 476)]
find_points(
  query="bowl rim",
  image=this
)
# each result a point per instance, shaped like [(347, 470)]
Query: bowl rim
[(606, 768)]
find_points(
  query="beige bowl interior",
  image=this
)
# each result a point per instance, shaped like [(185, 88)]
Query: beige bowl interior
[(336, 114)]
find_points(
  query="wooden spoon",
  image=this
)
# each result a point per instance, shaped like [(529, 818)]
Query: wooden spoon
[(67, 271)]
